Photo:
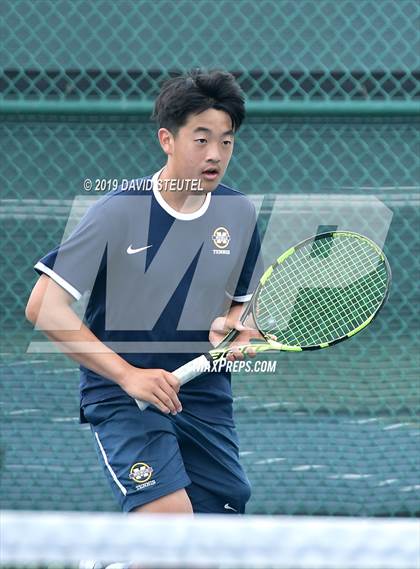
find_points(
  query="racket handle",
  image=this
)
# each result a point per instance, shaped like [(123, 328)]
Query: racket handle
[(192, 369), (185, 373)]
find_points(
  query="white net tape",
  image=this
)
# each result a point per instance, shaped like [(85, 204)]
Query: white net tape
[(209, 541)]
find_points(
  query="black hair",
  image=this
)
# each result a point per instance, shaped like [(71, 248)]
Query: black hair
[(196, 92)]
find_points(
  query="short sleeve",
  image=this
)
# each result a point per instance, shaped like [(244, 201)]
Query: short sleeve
[(252, 267), (75, 264)]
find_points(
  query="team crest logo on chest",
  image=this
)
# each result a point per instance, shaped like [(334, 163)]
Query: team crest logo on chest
[(221, 240)]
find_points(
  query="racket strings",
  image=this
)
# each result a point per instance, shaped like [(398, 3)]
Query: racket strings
[(335, 295), (322, 292), (339, 302)]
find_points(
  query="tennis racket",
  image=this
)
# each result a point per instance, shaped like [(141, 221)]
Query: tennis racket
[(320, 292)]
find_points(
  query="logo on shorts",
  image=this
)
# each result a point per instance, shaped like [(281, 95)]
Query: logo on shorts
[(141, 473), (221, 239)]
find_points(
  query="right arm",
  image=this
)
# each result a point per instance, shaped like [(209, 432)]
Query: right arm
[(50, 309)]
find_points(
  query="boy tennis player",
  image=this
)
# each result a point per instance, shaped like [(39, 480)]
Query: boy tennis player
[(166, 264)]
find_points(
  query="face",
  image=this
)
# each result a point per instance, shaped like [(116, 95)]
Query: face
[(201, 149)]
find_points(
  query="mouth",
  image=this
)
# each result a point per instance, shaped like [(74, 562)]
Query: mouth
[(210, 173)]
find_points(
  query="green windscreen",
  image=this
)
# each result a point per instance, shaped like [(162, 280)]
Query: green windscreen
[(331, 139)]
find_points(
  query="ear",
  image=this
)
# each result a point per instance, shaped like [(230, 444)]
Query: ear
[(166, 140)]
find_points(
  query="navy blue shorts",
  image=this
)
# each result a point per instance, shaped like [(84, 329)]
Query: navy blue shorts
[(146, 455)]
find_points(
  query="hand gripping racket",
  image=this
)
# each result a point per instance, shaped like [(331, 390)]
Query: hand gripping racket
[(320, 292)]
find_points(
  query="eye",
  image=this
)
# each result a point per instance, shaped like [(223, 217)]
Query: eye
[(201, 140), (227, 142)]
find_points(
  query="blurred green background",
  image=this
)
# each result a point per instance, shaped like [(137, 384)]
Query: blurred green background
[(331, 139)]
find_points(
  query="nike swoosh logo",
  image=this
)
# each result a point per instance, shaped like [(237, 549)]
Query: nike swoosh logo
[(132, 251), (227, 507)]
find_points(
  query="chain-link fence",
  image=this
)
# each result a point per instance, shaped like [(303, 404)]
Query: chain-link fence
[(278, 49), (331, 432)]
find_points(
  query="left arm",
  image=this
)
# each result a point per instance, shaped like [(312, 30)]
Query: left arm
[(245, 284)]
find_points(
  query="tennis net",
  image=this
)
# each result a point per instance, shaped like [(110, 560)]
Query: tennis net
[(160, 541)]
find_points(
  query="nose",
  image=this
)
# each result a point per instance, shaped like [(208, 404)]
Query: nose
[(213, 154)]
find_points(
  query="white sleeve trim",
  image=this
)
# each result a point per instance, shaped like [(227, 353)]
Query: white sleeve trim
[(59, 280), (244, 298)]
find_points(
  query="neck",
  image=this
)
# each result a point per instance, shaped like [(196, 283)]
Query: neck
[(180, 194)]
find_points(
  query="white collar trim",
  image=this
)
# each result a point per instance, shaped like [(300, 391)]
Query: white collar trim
[(173, 212)]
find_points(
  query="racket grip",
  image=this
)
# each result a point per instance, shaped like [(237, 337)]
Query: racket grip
[(185, 373), (192, 369)]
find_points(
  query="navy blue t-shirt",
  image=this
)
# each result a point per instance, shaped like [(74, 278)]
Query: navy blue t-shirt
[(154, 280)]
